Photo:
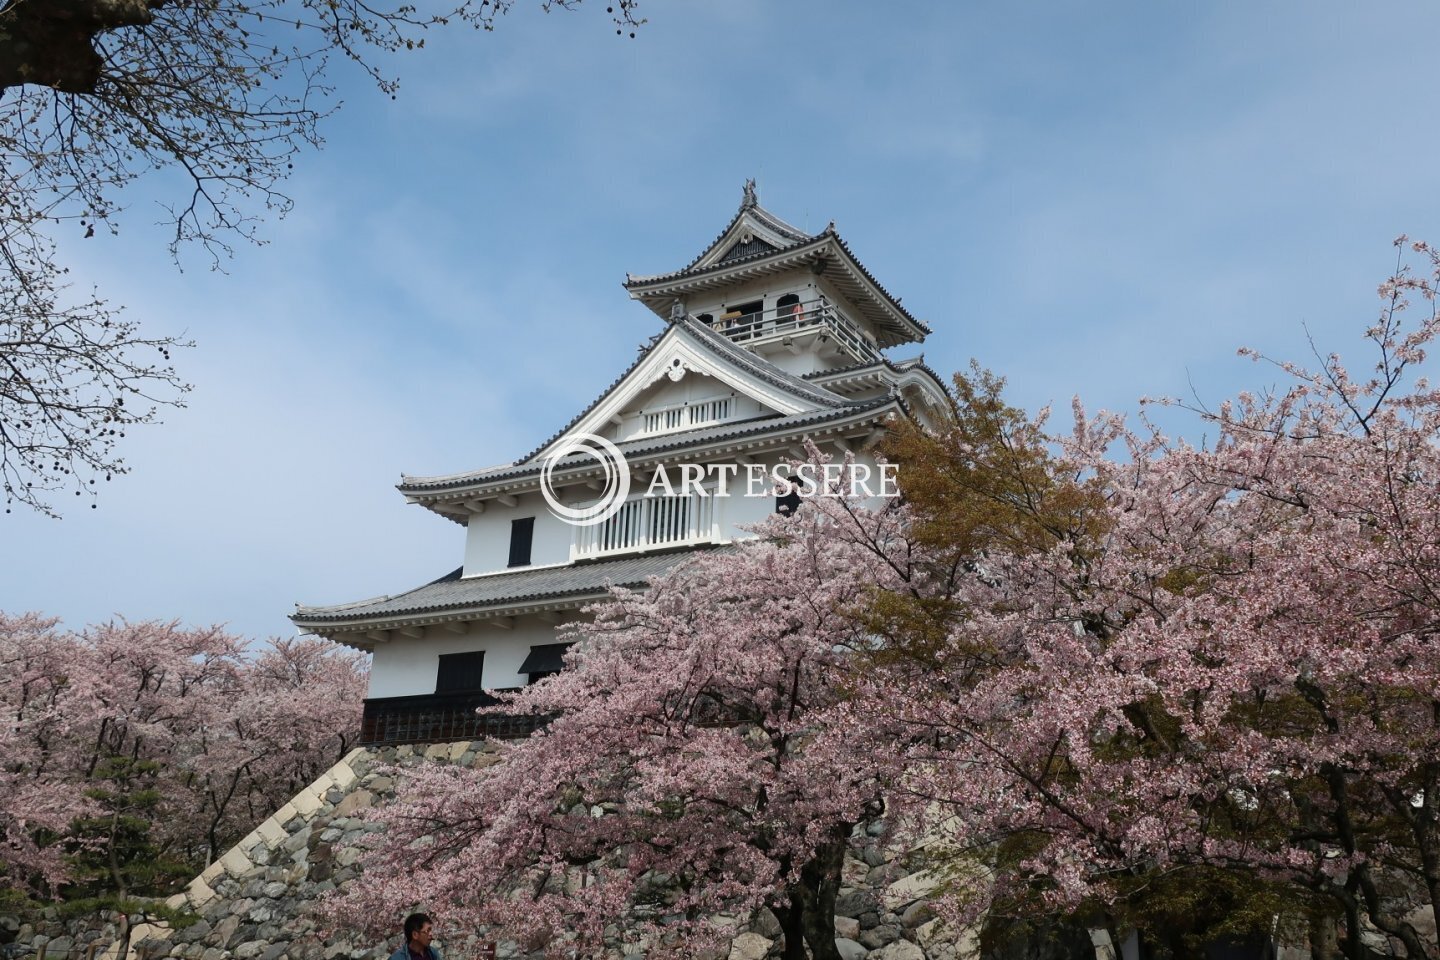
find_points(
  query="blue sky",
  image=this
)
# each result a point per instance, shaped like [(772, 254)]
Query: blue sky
[(1102, 199)]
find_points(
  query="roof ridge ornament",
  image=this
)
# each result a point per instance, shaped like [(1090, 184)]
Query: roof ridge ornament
[(748, 200)]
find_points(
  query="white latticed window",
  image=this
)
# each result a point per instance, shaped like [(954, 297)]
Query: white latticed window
[(672, 419), (691, 415), (649, 522), (710, 411)]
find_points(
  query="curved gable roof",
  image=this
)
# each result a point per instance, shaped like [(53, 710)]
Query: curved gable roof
[(722, 349), (807, 394), (724, 247)]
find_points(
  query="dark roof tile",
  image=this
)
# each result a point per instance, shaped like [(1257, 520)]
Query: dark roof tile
[(716, 343), (786, 230), (652, 445), (742, 250), (453, 592)]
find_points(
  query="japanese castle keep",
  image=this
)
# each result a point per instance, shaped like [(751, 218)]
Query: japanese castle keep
[(770, 337)]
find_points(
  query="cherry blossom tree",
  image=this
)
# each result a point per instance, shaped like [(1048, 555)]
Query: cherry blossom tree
[(1111, 676), (37, 800), (139, 751), (1222, 675), (295, 711), (699, 765)]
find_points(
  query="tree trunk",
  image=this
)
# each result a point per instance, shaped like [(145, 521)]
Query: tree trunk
[(112, 859), (816, 892), (1427, 838), (808, 915), (122, 947), (1324, 945), (1352, 931), (792, 928), (52, 44)]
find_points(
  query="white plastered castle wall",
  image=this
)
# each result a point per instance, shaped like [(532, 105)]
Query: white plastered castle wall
[(487, 544), (407, 666), (487, 536)]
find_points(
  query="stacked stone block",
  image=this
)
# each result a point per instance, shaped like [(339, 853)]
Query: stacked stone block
[(255, 902)]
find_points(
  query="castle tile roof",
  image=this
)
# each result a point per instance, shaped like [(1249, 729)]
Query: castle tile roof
[(664, 443), (453, 593)]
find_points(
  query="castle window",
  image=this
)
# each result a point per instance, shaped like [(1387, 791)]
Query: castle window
[(687, 415), (644, 522), (668, 419), (460, 672), (522, 534), (742, 320), (711, 411), (544, 660), (788, 504)]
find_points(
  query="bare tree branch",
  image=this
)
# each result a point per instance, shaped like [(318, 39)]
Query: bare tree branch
[(95, 94)]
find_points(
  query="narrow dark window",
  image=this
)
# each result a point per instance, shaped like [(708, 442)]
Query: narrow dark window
[(742, 320), (788, 307), (460, 672), (544, 660), (522, 533), (749, 312), (788, 504)]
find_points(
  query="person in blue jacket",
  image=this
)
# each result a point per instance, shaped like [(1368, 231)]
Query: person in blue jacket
[(417, 940)]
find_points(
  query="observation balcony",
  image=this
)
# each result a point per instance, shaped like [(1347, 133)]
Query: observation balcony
[(794, 324), (644, 523)]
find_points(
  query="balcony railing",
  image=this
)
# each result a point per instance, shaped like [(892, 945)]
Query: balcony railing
[(643, 522), (451, 718), (792, 320), (439, 718)]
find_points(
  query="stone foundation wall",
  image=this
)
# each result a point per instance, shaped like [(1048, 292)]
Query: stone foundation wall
[(254, 902)]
